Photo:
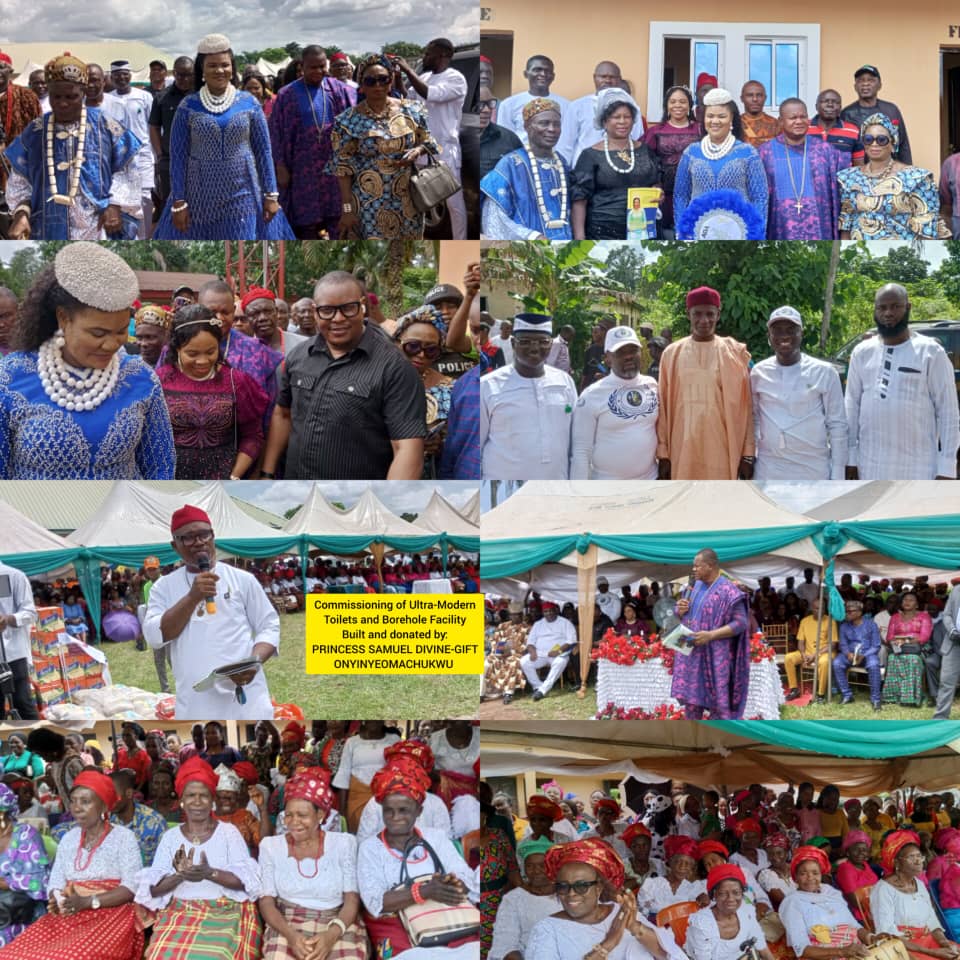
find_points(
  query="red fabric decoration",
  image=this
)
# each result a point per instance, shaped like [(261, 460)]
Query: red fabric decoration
[(809, 853), (680, 845), (724, 871), (709, 297), (255, 293), (195, 770), (246, 771), (593, 852), (5, 58), (705, 77), (401, 776), (747, 826), (416, 749), (100, 784), (185, 515), (312, 784)]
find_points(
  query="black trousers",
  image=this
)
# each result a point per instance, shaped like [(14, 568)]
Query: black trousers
[(22, 698)]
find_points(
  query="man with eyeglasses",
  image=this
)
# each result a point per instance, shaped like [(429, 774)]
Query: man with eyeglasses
[(828, 126), (349, 406), (211, 614), (259, 306), (866, 81), (495, 141), (526, 409)]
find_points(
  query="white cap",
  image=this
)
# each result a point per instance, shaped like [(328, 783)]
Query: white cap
[(786, 313), (618, 337), (603, 582)]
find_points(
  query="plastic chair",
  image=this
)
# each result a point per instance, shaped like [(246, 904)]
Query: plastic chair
[(862, 897), (676, 917)]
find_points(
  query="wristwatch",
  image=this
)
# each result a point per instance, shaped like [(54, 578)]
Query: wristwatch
[(348, 208), (94, 902)]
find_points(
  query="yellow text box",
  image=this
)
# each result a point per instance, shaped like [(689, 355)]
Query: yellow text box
[(427, 633)]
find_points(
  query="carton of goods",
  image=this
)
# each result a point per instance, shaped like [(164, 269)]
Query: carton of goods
[(49, 620), (44, 668)]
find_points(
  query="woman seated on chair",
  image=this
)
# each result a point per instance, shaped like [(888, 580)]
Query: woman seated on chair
[(817, 920), (855, 872), (640, 864), (900, 903), (681, 881), (775, 880), (950, 886), (524, 906), (719, 931), (597, 920)]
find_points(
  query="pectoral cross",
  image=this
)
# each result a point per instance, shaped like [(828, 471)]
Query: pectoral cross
[(799, 205)]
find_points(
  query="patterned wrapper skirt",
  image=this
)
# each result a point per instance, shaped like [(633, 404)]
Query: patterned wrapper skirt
[(903, 681), (206, 930), (352, 945)]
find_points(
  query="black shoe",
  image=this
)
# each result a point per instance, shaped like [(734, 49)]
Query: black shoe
[(507, 698), (931, 702), (537, 696), (845, 701), (877, 708), (794, 694), (819, 699)]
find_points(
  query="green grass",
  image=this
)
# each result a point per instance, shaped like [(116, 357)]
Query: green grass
[(325, 697)]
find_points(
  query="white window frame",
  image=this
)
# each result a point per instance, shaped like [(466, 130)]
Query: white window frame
[(734, 56)]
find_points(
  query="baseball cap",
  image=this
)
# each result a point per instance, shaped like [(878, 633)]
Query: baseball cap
[(786, 313), (618, 337), (867, 68)]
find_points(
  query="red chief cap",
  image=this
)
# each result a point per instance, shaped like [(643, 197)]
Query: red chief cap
[(187, 514), (705, 77), (255, 293), (340, 56), (703, 296)]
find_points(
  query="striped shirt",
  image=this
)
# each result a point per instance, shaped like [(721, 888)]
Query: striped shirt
[(842, 136), (345, 411)]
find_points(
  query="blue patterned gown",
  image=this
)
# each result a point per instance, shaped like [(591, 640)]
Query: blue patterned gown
[(364, 148), (107, 176), (128, 437), (740, 170), (221, 164), (903, 205)]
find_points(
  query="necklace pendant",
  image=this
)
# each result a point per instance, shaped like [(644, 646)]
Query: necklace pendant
[(64, 201), (799, 205)]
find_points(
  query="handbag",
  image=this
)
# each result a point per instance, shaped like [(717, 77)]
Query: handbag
[(431, 185), (431, 923)]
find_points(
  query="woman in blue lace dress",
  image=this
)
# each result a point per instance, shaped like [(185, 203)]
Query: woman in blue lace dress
[(375, 146), (223, 185), (721, 161), (73, 403)]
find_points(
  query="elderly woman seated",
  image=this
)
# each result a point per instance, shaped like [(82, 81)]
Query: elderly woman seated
[(818, 921), (597, 919), (24, 869), (231, 807), (91, 913), (681, 881), (719, 931), (900, 903), (309, 900), (203, 882), (524, 906)]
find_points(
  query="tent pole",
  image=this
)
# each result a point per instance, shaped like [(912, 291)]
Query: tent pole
[(816, 658), (587, 589)]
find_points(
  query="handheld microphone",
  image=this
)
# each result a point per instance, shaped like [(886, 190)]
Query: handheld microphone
[(686, 591), (203, 564)]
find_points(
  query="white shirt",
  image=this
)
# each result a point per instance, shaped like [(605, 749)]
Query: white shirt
[(705, 943), (518, 913), (655, 893), (525, 424), (457, 759), (132, 110), (244, 618), (44, 105), (614, 432), (510, 111), (749, 868), (336, 872), (16, 640), (797, 409), (559, 355), (609, 604), (901, 403), (433, 816), (445, 95), (578, 130), (361, 759), (505, 345), (808, 591), (544, 636)]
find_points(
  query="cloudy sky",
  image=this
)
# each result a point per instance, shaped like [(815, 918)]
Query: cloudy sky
[(399, 496), (176, 25)]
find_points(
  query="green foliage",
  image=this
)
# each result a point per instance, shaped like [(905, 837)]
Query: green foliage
[(24, 265), (293, 50), (403, 48)]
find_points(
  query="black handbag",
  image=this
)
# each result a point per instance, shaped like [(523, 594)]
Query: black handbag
[(15, 907), (431, 185)]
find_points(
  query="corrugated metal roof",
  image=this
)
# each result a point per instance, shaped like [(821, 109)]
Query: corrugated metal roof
[(64, 505)]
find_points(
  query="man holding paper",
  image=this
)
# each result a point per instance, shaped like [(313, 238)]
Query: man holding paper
[(859, 638), (213, 616), (549, 644), (715, 674)]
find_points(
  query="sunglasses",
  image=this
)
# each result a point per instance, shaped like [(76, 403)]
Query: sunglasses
[(881, 140), (347, 310), (489, 104), (412, 347), (579, 887), (377, 81)]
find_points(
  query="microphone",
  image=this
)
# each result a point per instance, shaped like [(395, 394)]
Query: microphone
[(203, 564), (685, 592)]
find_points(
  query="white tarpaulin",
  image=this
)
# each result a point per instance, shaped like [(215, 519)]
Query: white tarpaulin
[(441, 516)]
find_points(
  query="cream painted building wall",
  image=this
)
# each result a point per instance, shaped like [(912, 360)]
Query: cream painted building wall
[(909, 46)]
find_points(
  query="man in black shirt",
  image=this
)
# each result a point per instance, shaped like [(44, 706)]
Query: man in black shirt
[(350, 406), (495, 141), (165, 105), (866, 81)]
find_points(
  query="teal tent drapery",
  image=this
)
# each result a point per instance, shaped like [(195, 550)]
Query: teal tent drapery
[(849, 738)]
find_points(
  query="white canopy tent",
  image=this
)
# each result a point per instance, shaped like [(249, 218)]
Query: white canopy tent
[(471, 509), (317, 515), (441, 516), (371, 515)]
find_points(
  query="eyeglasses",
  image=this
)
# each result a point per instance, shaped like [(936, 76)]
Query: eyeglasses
[(347, 310), (412, 347), (489, 104), (579, 887), (881, 140), (188, 539), (377, 81), (541, 342)]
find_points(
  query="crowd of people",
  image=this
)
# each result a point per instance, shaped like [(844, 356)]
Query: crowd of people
[(705, 876), (328, 388), (204, 155), (576, 170), (900, 638), (700, 408), (287, 846)]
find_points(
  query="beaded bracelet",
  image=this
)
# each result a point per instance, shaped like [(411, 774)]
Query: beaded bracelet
[(418, 897), (271, 196), (337, 922), (179, 206)]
